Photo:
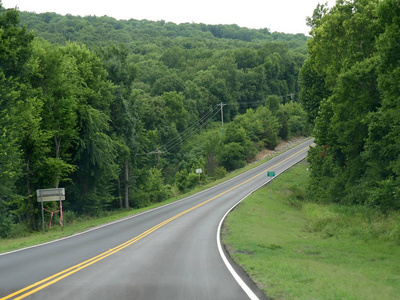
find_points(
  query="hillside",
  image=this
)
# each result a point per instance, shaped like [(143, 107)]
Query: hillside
[(122, 113), (101, 31)]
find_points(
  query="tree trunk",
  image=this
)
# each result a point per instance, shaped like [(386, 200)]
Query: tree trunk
[(119, 191), (58, 147), (29, 213), (127, 183)]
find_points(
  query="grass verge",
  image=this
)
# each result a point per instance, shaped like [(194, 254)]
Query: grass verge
[(298, 250)]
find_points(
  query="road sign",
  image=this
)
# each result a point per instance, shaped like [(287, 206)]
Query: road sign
[(199, 171), (44, 195), (271, 174), (50, 195)]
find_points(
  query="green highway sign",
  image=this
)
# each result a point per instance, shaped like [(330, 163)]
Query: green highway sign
[(271, 174)]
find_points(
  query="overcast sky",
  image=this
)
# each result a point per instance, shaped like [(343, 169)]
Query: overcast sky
[(288, 16)]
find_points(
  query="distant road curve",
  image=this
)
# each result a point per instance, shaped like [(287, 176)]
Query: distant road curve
[(172, 252)]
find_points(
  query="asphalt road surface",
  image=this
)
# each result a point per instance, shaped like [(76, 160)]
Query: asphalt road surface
[(172, 252)]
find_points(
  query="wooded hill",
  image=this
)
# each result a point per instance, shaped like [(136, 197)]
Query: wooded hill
[(102, 31), (122, 113)]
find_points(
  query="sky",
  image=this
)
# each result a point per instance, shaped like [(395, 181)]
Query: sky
[(288, 16)]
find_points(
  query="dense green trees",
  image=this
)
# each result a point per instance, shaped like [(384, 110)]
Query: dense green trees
[(122, 113), (19, 119), (350, 90)]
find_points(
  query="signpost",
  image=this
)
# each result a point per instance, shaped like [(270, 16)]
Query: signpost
[(46, 195), (271, 174), (199, 171)]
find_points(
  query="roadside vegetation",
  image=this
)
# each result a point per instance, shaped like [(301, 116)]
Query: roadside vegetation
[(122, 113), (351, 92), (74, 223), (297, 249)]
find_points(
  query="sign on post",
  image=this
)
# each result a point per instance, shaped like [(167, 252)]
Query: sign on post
[(46, 195), (271, 174), (199, 171)]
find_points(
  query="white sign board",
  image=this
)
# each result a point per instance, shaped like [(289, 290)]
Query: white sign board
[(199, 171), (50, 195)]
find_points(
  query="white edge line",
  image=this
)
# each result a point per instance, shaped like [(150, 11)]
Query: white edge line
[(235, 275), (144, 212), (238, 279)]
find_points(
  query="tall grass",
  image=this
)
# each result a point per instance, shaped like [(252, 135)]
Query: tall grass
[(353, 221)]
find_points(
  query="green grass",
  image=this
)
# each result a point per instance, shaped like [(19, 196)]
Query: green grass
[(298, 250)]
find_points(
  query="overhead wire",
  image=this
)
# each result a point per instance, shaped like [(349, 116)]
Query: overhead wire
[(187, 135), (184, 136), (191, 127), (245, 104), (196, 126)]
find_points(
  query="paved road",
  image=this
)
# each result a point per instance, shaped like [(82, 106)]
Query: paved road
[(167, 253)]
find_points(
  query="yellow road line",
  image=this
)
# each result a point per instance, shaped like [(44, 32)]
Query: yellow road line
[(33, 288)]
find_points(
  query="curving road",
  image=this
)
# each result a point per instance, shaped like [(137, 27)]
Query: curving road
[(172, 252)]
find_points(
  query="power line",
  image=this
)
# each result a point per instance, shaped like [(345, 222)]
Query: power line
[(158, 152), (192, 127), (185, 136)]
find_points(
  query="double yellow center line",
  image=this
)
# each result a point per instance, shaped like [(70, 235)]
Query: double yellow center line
[(33, 288)]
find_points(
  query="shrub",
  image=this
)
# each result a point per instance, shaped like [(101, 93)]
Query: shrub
[(220, 172), (69, 217), (233, 156)]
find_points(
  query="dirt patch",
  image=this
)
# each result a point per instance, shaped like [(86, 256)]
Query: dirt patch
[(231, 250), (281, 147)]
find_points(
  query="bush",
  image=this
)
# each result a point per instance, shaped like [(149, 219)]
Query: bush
[(271, 140), (19, 230), (151, 190), (69, 217), (192, 180), (233, 156), (181, 180), (141, 199), (220, 172), (185, 181)]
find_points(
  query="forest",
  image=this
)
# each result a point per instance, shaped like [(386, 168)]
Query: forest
[(351, 92), (122, 113)]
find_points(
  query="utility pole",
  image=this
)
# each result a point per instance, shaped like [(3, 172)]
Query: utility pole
[(222, 112), (158, 152), (290, 95)]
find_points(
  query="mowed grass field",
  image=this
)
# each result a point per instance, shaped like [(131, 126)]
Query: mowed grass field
[(294, 249)]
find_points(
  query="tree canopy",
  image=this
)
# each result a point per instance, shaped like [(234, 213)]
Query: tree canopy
[(122, 113), (350, 91)]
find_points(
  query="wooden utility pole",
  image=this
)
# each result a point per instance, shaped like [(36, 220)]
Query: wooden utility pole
[(222, 112), (158, 152)]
